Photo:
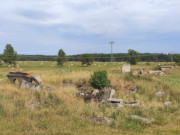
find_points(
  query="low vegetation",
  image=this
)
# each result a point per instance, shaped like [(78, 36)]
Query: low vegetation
[(24, 111)]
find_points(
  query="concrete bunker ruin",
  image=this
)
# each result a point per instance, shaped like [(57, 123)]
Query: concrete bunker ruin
[(23, 76)]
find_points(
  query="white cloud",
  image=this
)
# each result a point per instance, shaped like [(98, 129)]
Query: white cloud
[(97, 16), (108, 18)]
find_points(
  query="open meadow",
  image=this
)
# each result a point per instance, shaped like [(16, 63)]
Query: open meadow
[(59, 113)]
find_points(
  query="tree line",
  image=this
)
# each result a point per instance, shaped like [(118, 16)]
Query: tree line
[(9, 56)]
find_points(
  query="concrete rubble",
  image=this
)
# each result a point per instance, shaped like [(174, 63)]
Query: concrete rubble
[(126, 68), (105, 97), (26, 80)]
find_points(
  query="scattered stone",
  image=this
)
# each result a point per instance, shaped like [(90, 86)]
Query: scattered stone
[(126, 68), (167, 103), (133, 104), (159, 94), (147, 121), (94, 92)]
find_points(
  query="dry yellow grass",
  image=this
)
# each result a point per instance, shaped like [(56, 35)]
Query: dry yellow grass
[(59, 113)]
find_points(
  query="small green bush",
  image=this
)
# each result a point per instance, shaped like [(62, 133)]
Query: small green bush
[(99, 80)]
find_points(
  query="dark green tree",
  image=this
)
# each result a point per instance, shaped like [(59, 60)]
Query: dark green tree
[(61, 57), (177, 58), (9, 56), (99, 80), (134, 57), (86, 59)]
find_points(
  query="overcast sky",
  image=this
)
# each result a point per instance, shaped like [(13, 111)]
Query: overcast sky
[(87, 26)]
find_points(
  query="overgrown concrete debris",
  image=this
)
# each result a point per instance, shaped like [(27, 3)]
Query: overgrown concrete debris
[(26, 80), (166, 67), (105, 97), (126, 68), (147, 121)]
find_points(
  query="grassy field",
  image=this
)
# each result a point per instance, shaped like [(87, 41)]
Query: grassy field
[(58, 113)]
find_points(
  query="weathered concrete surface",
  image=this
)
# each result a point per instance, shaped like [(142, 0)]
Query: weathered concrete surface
[(126, 68)]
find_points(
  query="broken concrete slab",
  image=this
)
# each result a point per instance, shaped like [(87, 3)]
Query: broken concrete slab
[(132, 104), (126, 68), (166, 67), (158, 73)]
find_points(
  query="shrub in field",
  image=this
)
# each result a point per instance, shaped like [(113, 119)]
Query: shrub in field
[(61, 57), (99, 80), (86, 59)]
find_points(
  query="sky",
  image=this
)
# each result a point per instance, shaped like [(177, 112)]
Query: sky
[(88, 26)]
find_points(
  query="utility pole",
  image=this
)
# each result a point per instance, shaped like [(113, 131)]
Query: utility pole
[(111, 43)]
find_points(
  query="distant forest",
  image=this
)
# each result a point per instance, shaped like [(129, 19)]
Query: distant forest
[(118, 57)]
